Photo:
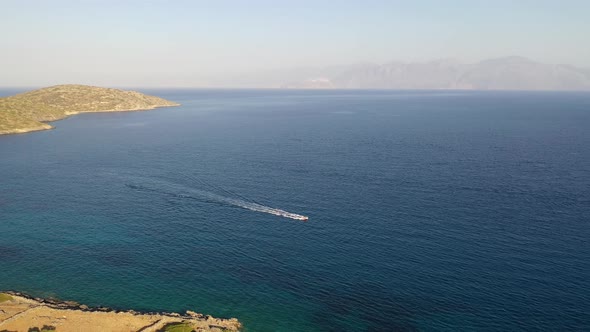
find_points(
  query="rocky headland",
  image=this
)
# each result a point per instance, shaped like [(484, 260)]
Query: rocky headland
[(20, 312), (30, 111)]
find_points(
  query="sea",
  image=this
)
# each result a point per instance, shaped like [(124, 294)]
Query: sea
[(428, 210)]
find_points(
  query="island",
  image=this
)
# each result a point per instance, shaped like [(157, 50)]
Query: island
[(19, 312), (30, 111)]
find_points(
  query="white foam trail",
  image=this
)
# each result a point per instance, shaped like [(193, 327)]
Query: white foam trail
[(182, 191), (266, 209)]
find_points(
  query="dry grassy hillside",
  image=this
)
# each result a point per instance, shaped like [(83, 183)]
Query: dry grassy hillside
[(28, 111)]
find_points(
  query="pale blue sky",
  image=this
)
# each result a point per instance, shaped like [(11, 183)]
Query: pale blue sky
[(184, 43)]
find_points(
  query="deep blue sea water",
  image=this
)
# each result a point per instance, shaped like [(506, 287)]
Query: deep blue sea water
[(429, 211)]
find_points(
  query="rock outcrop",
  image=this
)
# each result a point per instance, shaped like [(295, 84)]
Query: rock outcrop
[(19, 312)]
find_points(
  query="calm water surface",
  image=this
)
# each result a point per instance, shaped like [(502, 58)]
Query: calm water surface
[(428, 211)]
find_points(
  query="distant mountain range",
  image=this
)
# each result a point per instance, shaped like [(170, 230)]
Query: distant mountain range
[(507, 73)]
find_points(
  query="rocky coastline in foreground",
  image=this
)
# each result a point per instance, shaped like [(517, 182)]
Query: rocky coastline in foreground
[(21, 312)]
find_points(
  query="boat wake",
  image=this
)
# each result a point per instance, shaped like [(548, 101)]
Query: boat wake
[(177, 190), (265, 209)]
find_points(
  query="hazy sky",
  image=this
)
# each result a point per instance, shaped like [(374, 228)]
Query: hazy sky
[(188, 43)]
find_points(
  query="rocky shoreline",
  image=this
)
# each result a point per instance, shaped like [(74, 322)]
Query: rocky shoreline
[(31, 111), (22, 312)]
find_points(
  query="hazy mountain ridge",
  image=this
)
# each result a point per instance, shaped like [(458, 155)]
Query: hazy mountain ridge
[(507, 73)]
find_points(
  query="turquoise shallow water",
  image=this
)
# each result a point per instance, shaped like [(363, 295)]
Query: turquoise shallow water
[(428, 210)]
